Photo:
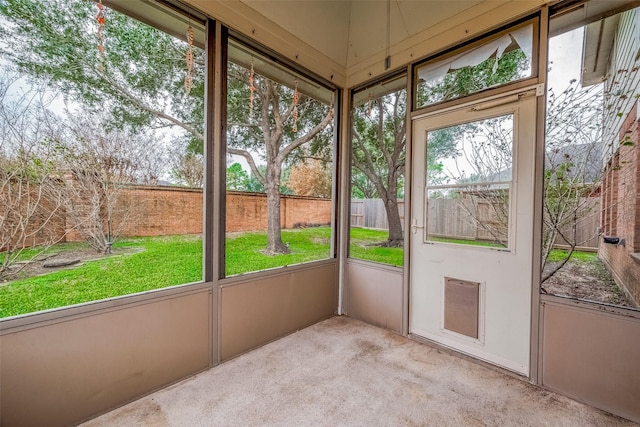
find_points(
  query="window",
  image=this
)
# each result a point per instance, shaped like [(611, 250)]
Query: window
[(502, 59), (280, 165), (378, 147), (100, 155), (590, 208), (469, 174)]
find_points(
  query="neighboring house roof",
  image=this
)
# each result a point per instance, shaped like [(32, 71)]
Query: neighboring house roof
[(587, 159)]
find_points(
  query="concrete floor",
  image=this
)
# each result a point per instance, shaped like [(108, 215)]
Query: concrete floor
[(342, 372)]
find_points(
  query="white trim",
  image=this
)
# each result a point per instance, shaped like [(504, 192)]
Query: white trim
[(475, 351)]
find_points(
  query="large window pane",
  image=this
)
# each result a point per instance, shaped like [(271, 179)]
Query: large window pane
[(499, 60), (279, 165), (377, 173), (590, 248), (469, 174), (100, 135)]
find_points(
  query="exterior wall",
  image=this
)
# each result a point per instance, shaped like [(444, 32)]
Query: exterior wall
[(620, 215), (625, 267), (304, 211), (623, 79), (621, 209), (158, 211), (53, 232)]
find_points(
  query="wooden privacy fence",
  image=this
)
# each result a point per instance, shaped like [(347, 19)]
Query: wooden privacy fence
[(446, 219), (587, 224), (460, 219), (370, 213)]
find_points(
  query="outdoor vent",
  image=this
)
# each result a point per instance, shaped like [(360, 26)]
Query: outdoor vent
[(461, 306), (611, 240)]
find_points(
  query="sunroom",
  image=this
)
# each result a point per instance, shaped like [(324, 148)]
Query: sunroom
[(464, 175)]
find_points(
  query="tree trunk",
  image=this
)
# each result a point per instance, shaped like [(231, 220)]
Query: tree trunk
[(274, 227), (396, 236)]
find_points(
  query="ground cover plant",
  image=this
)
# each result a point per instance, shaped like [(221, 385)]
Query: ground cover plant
[(245, 251), (137, 265), (365, 244), (143, 264)]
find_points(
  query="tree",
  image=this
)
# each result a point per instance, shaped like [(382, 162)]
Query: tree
[(311, 178), (188, 168), (139, 80), (26, 211), (270, 133), (479, 171), (93, 165), (573, 166), (237, 178), (573, 162), (361, 187), (137, 84), (471, 79), (378, 152), (378, 144)]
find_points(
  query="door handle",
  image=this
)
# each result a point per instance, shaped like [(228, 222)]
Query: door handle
[(415, 226)]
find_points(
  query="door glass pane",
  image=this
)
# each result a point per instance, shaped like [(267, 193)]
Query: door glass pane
[(469, 174)]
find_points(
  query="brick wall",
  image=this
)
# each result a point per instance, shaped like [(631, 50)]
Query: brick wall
[(621, 209), (44, 219), (625, 267), (248, 211), (158, 211)]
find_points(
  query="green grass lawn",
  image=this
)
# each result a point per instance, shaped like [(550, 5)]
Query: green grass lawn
[(244, 252), (557, 255), (158, 262), (164, 262), (363, 246)]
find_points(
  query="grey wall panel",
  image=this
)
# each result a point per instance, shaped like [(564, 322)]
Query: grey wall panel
[(374, 294), (64, 372), (593, 355), (259, 310)]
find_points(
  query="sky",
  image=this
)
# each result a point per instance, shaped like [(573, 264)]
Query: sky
[(565, 59)]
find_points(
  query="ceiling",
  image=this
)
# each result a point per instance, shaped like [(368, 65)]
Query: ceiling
[(348, 41), (351, 31)]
